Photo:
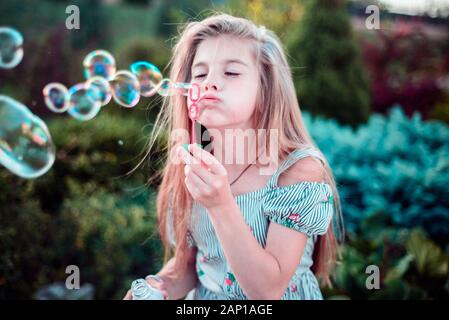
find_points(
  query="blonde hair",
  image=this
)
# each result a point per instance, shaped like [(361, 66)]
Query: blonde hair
[(276, 108)]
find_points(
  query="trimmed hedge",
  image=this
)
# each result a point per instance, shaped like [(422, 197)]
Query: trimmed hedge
[(392, 164)]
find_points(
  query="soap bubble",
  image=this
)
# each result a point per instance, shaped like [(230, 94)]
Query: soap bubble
[(103, 87), (148, 75), (125, 88), (168, 88), (99, 63), (56, 97), (84, 102), (11, 47), (26, 147), (182, 88)]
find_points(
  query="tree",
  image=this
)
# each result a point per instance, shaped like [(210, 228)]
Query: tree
[(327, 68), (276, 15), (401, 74)]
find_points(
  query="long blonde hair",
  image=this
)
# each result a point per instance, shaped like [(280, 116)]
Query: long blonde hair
[(277, 108)]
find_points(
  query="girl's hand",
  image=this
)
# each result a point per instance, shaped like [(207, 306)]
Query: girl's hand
[(154, 284), (128, 296), (206, 178)]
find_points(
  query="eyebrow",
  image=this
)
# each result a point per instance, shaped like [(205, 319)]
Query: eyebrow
[(201, 63)]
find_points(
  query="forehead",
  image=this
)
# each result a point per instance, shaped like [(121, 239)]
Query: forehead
[(224, 48)]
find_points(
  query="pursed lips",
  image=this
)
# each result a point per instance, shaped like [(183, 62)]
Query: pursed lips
[(208, 100)]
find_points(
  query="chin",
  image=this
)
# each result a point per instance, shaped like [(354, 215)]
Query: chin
[(211, 124), (211, 121)]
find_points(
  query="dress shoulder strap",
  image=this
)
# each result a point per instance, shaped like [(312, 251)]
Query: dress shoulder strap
[(294, 156)]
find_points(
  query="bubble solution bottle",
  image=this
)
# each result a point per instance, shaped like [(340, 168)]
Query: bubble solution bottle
[(142, 290)]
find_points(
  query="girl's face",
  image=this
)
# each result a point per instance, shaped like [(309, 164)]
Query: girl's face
[(225, 68)]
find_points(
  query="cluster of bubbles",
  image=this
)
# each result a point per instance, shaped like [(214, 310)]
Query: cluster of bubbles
[(26, 146), (104, 82)]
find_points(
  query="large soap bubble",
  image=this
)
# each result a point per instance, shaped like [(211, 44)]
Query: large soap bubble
[(11, 47), (56, 97), (149, 77), (84, 102), (99, 63), (26, 147), (104, 89), (125, 88)]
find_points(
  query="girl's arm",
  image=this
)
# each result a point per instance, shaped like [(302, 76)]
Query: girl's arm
[(176, 284), (263, 273)]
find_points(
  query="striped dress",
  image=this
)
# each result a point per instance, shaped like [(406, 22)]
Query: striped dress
[(304, 206)]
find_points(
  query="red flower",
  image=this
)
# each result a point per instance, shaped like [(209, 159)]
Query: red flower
[(294, 216), (229, 279)]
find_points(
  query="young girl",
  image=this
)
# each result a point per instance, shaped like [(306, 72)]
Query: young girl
[(230, 230)]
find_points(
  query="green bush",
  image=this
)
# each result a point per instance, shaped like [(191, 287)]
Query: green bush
[(410, 265), (85, 211), (110, 237), (393, 164), (24, 239)]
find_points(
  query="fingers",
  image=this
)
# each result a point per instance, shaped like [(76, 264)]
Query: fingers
[(202, 171), (128, 296), (159, 286), (192, 188), (206, 176), (208, 158), (187, 157), (201, 183), (192, 175)]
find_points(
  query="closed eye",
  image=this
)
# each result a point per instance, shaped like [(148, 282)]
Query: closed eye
[(230, 74)]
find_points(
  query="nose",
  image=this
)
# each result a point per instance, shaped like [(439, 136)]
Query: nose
[(210, 86), (211, 83)]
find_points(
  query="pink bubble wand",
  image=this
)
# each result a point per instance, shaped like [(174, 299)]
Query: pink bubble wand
[(194, 111)]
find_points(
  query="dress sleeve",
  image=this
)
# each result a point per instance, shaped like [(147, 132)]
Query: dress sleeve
[(305, 207)]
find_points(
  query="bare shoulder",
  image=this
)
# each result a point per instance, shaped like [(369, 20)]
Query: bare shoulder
[(306, 169)]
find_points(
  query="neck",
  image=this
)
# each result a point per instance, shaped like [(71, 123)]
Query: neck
[(234, 147)]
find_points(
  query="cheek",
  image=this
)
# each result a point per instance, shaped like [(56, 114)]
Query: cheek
[(243, 98)]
